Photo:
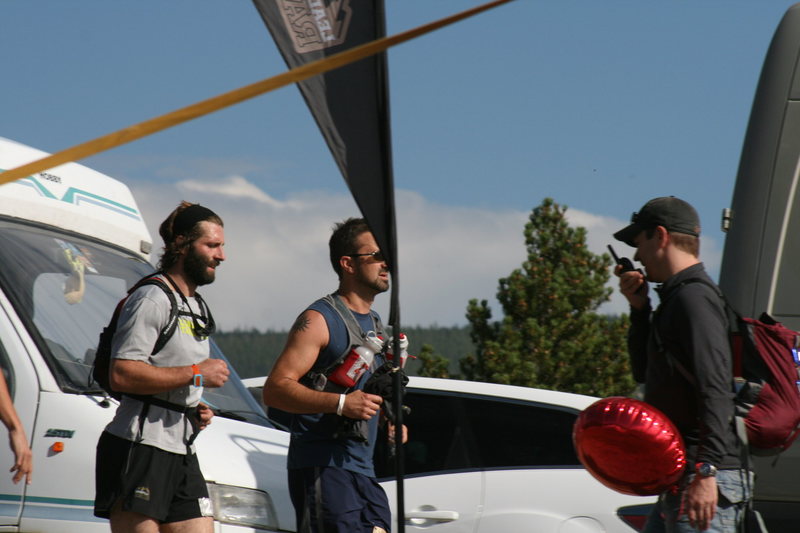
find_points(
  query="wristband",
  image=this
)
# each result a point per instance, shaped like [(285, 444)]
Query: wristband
[(197, 377), (340, 407)]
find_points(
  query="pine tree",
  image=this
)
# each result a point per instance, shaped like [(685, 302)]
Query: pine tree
[(433, 364), (551, 335)]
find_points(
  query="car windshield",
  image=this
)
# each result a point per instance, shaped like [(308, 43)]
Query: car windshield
[(65, 289)]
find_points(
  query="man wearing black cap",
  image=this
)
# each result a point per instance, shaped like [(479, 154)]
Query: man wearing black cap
[(147, 474), (682, 354)]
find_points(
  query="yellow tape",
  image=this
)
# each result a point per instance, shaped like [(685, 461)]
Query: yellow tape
[(154, 125)]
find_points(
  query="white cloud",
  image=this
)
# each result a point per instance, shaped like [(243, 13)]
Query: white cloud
[(278, 262), (233, 187), (599, 234)]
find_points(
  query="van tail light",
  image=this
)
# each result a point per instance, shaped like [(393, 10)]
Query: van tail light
[(635, 515)]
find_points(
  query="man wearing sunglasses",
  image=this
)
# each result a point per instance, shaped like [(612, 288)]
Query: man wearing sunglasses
[(147, 474), (331, 477), (682, 354)]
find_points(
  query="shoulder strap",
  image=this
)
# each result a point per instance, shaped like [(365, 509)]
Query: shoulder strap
[(732, 317), (355, 334), (353, 327), (172, 322), (732, 314), (166, 332)]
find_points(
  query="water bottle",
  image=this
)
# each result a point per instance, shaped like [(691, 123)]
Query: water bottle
[(356, 362), (403, 350)]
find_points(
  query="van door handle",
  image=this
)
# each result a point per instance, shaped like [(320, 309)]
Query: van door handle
[(419, 517)]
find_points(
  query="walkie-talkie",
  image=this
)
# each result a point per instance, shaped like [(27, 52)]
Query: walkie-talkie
[(627, 266), (624, 262)]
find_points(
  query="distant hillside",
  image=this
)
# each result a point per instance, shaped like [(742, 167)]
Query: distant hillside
[(253, 353)]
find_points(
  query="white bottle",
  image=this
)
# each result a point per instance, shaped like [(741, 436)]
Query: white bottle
[(403, 350)]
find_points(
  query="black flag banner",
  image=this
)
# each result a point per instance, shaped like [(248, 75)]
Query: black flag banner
[(350, 104)]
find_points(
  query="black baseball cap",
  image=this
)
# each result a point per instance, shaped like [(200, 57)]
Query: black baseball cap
[(672, 213)]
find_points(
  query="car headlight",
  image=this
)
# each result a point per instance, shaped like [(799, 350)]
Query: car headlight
[(242, 506)]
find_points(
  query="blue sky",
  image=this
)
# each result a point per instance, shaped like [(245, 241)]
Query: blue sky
[(599, 105)]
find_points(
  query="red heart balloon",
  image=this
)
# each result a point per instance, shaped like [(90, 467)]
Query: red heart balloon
[(629, 446)]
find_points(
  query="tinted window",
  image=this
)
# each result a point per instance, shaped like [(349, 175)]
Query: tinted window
[(450, 431), (521, 434), (440, 435)]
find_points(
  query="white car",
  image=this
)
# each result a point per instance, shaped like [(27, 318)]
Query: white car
[(483, 458)]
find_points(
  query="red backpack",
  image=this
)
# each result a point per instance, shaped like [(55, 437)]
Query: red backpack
[(766, 370), (766, 367)]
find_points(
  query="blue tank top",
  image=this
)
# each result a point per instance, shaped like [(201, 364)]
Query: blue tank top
[(312, 441)]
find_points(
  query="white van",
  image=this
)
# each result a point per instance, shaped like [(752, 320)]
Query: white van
[(72, 241)]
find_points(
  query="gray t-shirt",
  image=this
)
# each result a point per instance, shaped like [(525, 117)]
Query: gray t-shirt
[(143, 315)]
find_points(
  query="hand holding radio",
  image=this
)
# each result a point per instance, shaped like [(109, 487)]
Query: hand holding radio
[(634, 288), (624, 262)]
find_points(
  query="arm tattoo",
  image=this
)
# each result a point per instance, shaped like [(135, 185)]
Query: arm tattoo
[(300, 324)]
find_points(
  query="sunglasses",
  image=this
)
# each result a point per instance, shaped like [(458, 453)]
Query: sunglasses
[(376, 255), (206, 317), (208, 326)]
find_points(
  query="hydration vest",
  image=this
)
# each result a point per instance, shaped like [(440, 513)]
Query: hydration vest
[(317, 377)]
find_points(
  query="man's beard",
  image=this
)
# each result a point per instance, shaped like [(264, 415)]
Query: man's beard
[(377, 284), (196, 268)]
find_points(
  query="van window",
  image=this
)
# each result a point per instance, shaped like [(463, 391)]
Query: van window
[(65, 288), (451, 431), (8, 371)]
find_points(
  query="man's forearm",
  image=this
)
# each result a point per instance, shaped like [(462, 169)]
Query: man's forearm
[(291, 396), (138, 377)]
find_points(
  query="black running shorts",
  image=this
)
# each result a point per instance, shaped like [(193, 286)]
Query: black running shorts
[(165, 486)]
